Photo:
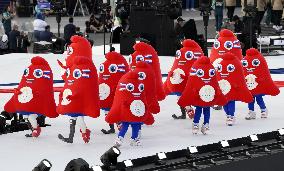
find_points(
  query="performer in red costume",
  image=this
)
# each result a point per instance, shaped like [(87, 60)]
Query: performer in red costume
[(130, 107), (145, 52), (147, 76), (80, 96), (258, 80), (111, 71), (232, 82), (227, 42), (79, 47), (34, 95), (177, 77), (202, 91)]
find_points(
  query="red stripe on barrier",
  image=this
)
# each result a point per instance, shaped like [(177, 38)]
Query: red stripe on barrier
[(279, 83)]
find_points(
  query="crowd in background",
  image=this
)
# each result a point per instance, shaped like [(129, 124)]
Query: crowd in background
[(13, 40)]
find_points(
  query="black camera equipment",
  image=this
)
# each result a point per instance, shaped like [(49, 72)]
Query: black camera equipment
[(205, 11), (104, 8), (250, 13), (57, 6)]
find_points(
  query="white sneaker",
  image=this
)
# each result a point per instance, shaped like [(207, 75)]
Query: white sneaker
[(187, 10), (118, 141), (205, 129), (264, 113), (135, 142), (195, 128), (230, 120), (251, 115), (192, 9)]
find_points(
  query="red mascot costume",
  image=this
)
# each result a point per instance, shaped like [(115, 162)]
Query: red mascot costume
[(227, 42), (79, 47), (80, 96), (111, 71), (147, 76), (232, 82), (34, 95), (258, 80), (130, 107), (177, 77), (202, 91), (145, 52)]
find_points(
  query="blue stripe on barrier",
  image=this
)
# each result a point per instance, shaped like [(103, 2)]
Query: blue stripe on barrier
[(272, 71), (15, 84)]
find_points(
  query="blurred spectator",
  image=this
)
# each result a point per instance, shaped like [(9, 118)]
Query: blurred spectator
[(268, 13), (230, 5), (69, 30), (189, 30), (178, 28), (88, 28), (116, 31), (245, 38), (3, 44), (218, 6), (78, 32), (261, 5), (179, 32), (13, 39), (23, 43), (189, 5), (6, 19), (95, 24), (39, 26), (277, 7), (108, 20), (46, 35), (238, 24)]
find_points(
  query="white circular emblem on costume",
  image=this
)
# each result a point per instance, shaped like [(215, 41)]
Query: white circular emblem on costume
[(217, 62), (104, 91), (137, 107), (66, 93), (176, 78), (207, 93), (26, 95), (225, 86), (251, 81)]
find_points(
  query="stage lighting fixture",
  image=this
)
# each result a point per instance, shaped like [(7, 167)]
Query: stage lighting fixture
[(44, 165), (281, 131), (77, 165), (109, 158), (192, 149), (224, 144), (161, 156), (253, 138), (128, 163), (97, 168)]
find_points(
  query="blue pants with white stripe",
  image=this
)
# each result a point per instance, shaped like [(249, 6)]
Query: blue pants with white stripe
[(136, 126), (230, 108), (259, 101), (198, 112)]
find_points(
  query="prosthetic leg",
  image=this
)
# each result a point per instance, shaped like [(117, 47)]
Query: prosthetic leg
[(111, 126), (71, 134), (183, 114), (110, 131)]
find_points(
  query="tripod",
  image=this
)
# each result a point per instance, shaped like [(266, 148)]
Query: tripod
[(205, 13), (81, 6)]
